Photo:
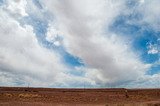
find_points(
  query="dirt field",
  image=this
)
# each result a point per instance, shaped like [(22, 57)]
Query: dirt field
[(16, 96)]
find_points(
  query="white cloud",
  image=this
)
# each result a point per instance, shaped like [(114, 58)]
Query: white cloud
[(53, 36), (141, 1), (16, 7), (107, 57), (21, 54), (146, 81), (84, 25), (150, 10), (153, 49), (23, 60)]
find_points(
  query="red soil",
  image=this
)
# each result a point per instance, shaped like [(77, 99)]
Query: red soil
[(16, 96)]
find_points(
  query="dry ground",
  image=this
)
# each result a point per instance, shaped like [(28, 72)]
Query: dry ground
[(16, 96)]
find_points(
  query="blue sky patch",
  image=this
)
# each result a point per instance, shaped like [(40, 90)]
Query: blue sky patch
[(38, 4), (140, 35), (155, 69), (1, 2), (40, 29)]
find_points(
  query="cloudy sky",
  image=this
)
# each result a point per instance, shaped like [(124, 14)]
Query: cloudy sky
[(77, 43)]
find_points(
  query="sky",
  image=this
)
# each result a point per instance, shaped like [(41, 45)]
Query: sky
[(80, 43)]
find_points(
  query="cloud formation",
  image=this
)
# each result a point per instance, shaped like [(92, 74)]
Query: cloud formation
[(84, 28), (108, 58), (22, 54)]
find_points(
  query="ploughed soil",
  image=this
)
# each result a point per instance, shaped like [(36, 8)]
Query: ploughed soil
[(23, 96)]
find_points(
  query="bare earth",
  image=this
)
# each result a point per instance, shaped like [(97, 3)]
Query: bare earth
[(16, 96)]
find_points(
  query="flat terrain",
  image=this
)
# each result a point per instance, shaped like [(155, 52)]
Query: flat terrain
[(16, 96)]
